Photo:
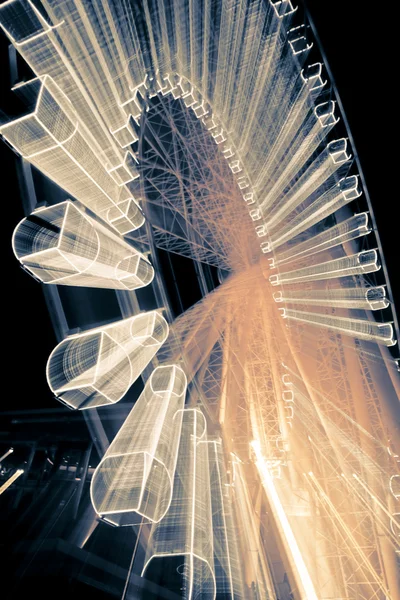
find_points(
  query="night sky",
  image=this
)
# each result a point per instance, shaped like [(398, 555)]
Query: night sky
[(356, 37), (359, 48)]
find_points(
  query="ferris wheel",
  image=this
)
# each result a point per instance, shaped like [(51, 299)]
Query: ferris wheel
[(211, 180)]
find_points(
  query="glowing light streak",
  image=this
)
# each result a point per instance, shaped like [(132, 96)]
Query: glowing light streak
[(372, 509), (97, 367), (364, 262), (331, 200), (189, 515), (375, 498), (372, 298), (350, 229), (304, 580), (257, 567), (228, 570), (135, 477), (382, 333), (11, 480), (349, 535), (10, 451), (61, 245)]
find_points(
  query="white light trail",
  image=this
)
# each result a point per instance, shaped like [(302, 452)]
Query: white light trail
[(6, 454), (301, 573), (365, 562), (11, 480)]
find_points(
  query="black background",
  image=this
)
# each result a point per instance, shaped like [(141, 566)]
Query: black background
[(361, 53)]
